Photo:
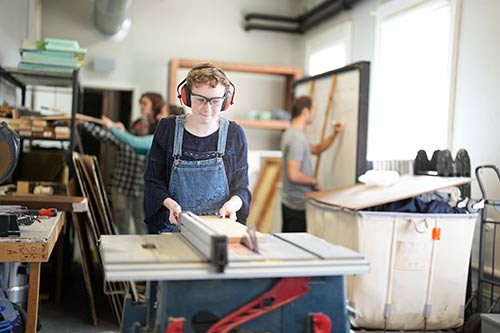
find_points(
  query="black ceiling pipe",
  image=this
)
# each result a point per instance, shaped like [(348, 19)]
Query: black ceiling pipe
[(315, 20), (312, 18), (278, 18), (318, 9), (276, 28)]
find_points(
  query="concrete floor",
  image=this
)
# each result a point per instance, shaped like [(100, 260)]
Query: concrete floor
[(73, 314), (64, 319), (75, 319)]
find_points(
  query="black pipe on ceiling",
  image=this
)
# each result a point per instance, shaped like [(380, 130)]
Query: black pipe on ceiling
[(318, 9), (322, 12), (254, 26), (267, 17)]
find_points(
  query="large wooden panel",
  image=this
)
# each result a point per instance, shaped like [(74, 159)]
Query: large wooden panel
[(362, 196), (342, 163)]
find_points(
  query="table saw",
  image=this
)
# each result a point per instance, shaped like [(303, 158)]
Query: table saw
[(200, 280)]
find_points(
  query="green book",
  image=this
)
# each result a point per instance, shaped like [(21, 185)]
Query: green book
[(40, 67), (44, 59), (48, 62), (73, 44), (62, 54), (57, 47)]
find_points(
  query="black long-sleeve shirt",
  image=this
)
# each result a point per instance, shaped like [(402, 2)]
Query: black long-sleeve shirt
[(159, 165)]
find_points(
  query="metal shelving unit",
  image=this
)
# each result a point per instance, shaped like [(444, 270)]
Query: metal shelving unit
[(22, 79)]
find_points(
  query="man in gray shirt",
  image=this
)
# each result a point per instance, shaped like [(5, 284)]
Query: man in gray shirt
[(296, 168)]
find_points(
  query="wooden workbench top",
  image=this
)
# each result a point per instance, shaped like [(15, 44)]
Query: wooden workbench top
[(35, 243)]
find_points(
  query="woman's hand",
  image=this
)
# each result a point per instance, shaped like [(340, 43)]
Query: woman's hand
[(120, 126), (106, 122), (230, 208), (174, 208)]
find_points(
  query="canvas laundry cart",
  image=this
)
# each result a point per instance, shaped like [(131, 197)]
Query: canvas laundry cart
[(418, 262)]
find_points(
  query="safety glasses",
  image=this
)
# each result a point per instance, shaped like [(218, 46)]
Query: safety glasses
[(202, 100)]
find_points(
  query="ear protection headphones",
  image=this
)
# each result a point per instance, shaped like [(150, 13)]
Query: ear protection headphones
[(184, 93)]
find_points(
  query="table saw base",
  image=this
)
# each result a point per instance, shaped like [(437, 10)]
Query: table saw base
[(214, 299)]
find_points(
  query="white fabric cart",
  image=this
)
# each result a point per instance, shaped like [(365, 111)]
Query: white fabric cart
[(418, 262)]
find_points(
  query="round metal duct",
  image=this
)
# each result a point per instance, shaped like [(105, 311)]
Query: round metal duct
[(110, 15)]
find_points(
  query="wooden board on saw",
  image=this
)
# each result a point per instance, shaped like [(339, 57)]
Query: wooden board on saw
[(232, 229)]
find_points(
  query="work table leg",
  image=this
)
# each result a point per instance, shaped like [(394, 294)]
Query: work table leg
[(34, 289)]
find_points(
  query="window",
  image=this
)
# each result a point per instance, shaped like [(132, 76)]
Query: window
[(329, 50), (411, 86)]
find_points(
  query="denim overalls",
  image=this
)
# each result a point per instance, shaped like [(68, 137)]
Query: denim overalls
[(198, 186)]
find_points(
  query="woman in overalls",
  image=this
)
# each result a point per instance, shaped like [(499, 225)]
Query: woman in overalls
[(198, 162)]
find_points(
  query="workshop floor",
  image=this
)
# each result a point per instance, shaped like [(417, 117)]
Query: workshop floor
[(73, 314), (61, 319)]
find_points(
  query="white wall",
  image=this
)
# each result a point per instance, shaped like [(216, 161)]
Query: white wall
[(477, 103), (13, 29)]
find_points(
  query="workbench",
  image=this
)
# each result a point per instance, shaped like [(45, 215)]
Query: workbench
[(33, 246), (198, 284)]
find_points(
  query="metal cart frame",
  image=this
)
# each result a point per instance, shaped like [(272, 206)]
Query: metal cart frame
[(488, 279), (484, 279)]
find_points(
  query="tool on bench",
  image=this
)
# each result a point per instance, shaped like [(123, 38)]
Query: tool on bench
[(11, 217)]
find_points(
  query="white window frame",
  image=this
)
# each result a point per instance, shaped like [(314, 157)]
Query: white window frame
[(338, 34), (394, 8)]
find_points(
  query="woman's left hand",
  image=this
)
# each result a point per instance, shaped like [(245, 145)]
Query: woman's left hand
[(229, 209), (227, 212)]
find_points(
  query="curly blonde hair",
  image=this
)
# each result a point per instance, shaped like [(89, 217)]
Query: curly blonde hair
[(208, 74)]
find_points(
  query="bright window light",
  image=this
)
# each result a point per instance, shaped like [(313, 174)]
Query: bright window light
[(329, 50), (410, 106), (327, 59)]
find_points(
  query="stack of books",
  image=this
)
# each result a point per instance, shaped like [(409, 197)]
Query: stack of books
[(51, 54)]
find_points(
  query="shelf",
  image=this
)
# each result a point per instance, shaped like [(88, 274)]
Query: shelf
[(289, 73), (22, 78), (40, 78), (43, 139), (272, 124), (294, 72)]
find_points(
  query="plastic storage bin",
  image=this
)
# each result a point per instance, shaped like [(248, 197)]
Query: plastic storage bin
[(418, 262)]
